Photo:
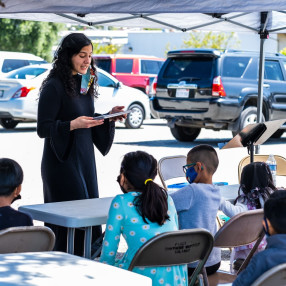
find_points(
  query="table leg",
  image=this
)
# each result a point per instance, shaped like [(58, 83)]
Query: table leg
[(87, 242), (70, 240)]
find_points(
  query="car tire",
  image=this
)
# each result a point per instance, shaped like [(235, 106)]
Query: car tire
[(185, 134), (136, 117), (247, 116), (8, 123), (278, 133)]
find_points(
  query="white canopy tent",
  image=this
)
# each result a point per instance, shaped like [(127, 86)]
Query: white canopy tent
[(257, 16)]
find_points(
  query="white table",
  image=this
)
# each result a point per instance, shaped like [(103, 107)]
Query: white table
[(229, 192), (72, 215), (58, 268)]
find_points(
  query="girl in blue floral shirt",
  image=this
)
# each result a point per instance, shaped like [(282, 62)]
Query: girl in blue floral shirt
[(143, 211)]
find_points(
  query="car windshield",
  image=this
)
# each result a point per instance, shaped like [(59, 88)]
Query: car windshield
[(26, 73), (189, 68)]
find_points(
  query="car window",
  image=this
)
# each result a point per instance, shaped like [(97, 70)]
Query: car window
[(272, 70), (12, 64), (150, 66), (26, 73), (234, 66), (33, 62), (104, 64), (196, 68), (124, 65), (284, 64), (105, 81)]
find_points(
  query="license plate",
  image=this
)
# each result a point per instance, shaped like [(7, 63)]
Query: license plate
[(182, 92), (1, 93)]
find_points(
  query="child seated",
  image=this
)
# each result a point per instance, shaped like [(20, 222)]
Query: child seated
[(256, 185), (142, 212), (275, 228), (11, 178), (197, 204)]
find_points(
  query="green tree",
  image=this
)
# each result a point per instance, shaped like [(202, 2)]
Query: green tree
[(283, 52), (198, 39), (29, 36), (105, 49)]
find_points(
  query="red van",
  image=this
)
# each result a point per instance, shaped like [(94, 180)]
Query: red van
[(132, 70)]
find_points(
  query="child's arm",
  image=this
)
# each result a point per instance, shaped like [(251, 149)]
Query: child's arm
[(231, 210)]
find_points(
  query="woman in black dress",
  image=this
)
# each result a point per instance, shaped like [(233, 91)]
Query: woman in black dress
[(65, 120)]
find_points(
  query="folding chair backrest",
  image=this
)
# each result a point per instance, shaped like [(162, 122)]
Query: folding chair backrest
[(272, 277), (26, 239), (171, 167), (280, 161), (241, 229), (175, 248)]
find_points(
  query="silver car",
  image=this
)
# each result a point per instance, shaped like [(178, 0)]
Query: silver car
[(19, 93)]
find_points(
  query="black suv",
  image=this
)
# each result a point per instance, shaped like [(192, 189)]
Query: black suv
[(208, 88)]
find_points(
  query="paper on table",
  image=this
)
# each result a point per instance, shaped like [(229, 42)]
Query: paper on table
[(105, 116)]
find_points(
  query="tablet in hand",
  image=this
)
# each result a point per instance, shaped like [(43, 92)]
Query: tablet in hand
[(105, 116)]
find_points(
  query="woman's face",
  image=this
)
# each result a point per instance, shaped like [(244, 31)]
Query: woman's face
[(82, 60)]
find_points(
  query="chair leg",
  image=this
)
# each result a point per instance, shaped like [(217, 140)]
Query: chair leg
[(205, 277)]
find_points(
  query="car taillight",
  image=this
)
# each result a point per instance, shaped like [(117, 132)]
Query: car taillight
[(22, 92), (147, 86), (217, 88), (154, 86)]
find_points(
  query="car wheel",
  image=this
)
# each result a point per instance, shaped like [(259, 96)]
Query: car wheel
[(247, 116), (278, 133), (185, 134), (135, 117), (8, 123)]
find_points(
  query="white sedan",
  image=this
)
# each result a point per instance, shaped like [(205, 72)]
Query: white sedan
[(19, 93)]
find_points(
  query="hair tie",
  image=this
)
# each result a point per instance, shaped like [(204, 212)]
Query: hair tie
[(146, 181)]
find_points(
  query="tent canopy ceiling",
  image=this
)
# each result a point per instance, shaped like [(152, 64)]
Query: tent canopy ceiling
[(182, 15)]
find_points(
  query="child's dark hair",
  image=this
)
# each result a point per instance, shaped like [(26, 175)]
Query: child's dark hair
[(275, 210), (11, 176), (256, 183), (207, 155), (152, 203)]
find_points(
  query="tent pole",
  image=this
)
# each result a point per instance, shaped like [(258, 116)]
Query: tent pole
[(263, 36)]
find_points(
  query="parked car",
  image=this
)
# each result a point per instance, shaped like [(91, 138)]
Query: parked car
[(132, 70), (207, 88), (19, 93), (12, 60)]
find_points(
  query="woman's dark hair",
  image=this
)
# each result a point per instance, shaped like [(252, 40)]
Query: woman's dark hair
[(62, 63), (152, 203), (256, 181), (11, 176), (275, 210)]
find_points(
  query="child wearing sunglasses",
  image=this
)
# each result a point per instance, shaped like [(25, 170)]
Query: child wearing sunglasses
[(197, 204), (274, 225)]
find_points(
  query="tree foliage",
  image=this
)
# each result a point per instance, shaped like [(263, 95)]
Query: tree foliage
[(283, 52), (29, 36), (211, 40), (105, 49)]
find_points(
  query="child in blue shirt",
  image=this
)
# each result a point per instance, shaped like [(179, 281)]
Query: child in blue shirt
[(274, 224), (11, 178), (197, 204)]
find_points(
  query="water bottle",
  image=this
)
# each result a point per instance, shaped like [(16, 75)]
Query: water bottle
[(271, 162)]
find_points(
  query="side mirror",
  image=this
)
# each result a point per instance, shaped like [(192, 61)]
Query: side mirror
[(118, 84)]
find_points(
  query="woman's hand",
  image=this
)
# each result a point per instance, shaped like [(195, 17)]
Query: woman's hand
[(85, 122), (116, 109)]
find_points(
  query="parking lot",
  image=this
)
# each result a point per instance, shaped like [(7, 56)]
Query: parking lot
[(23, 145)]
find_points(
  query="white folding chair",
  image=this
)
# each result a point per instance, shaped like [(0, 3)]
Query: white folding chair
[(171, 167)]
